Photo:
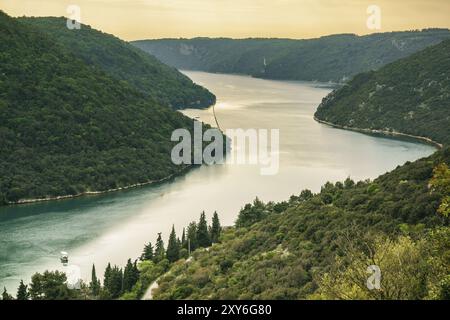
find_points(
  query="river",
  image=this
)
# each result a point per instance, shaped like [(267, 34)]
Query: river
[(113, 227)]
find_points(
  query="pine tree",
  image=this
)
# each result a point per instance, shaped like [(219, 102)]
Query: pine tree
[(159, 250), (203, 239), (107, 277), (147, 254), (115, 285), (6, 295), (136, 273), (216, 229), (22, 292), (191, 241), (173, 249), (128, 276), (183, 239), (94, 285)]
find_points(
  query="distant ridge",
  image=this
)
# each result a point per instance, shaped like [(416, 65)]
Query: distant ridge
[(125, 62), (334, 58)]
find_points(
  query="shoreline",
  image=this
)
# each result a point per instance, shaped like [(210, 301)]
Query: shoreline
[(425, 140), (93, 193)]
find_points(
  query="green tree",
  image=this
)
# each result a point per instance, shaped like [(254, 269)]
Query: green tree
[(22, 291), (147, 254), (191, 237), (173, 249), (159, 249), (94, 285), (115, 283), (203, 238), (130, 276), (49, 286), (107, 277), (440, 182), (183, 239), (6, 295), (216, 229), (251, 213)]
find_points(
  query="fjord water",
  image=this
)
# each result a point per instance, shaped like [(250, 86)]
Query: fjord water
[(114, 227)]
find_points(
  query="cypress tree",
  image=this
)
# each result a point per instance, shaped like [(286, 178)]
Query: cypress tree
[(159, 249), (107, 278), (183, 240), (173, 249), (135, 273), (22, 292), (128, 276), (203, 238), (95, 282), (191, 240), (116, 282), (216, 229), (6, 295)]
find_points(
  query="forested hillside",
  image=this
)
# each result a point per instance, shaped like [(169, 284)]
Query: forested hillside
[(331, 58), (411, 96), (318, 246), (125, 62), (68, 127)]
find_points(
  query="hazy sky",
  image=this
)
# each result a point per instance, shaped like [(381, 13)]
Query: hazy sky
[(142, 19)]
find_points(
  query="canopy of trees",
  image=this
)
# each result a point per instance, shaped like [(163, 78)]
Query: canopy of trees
[(125, 62), (410, 96), (68, 127), (312, 245), (330, 58)]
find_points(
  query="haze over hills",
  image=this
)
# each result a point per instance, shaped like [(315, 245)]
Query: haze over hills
[(331, 58), (411, 95), (123, 61), (68, 127)]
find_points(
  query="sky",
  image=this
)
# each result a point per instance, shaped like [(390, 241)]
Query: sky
[(298, 19)]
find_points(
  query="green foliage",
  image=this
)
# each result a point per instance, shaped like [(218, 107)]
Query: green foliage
[(441, 183), (68, 127), (284, 255), (329, 58), (6, 295), (410, 269), (173, 247), (147, 254), (251, 213), (130, 276), (160, 252), (203, 236), (411, 96), (113, 282), (216, 229), (94, 285), (22, 291), (125, 62), (50, 286), (191, 241)]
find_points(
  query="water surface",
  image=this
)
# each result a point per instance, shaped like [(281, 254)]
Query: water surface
[(114, 227)]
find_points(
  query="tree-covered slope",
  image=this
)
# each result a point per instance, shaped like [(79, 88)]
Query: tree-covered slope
[(330, 58), (411, 96), (67, 127), (286, 250), (125, 62)]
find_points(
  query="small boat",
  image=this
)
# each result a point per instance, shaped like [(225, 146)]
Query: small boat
[(64, 257)]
